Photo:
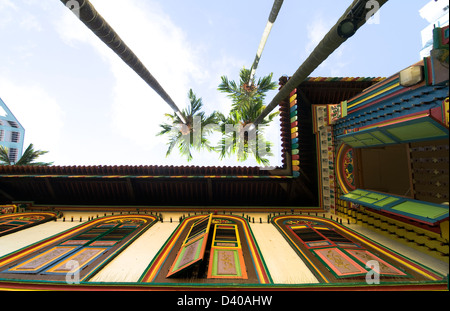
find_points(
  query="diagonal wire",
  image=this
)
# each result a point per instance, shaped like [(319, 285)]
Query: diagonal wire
[(325, 48), (272, 17), (98, 25)]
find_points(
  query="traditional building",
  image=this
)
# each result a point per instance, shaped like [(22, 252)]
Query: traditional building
[(360, 203)]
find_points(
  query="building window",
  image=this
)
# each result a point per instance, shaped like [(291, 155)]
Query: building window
[(82, 250), (2, 134), (15, 137), (18, 221), (337, 254), (209, 249), (13, 124), (13, 153)]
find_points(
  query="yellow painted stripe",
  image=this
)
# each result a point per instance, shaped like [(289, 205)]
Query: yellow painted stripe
[(293, 97), (374, 95)]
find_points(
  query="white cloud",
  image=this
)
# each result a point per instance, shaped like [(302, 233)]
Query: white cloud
[(29, 22), (5, 12), (26, 20), (7, 4), (335, 64), (315, 32)]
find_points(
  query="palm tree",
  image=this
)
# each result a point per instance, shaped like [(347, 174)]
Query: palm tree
[(27, 157), (239, 136), (245, 93), (192, 134)]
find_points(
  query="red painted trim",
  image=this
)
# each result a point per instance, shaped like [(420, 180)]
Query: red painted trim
[(403, 90), (371, 88), (436, 113)]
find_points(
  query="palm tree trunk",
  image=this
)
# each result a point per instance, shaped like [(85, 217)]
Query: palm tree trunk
[(98, 25), (272, 17), (325, 48)]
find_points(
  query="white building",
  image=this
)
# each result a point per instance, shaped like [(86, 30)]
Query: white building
[(12, 133)]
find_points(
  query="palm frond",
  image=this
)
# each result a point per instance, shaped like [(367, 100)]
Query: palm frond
[(4, 156), (29, 155), (192, 135)]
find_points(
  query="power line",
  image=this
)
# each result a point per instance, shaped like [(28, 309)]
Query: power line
[(272, 17), (354, 17), (98, 25)]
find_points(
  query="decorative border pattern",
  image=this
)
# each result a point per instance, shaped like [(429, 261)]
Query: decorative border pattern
[(325, 157), (149, 176), (294, 134), (340, 264)]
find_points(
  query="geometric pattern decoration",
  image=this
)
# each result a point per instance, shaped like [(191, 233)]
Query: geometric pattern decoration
[(83, 249), (337, 254), (226, 263), (340, 263), (325, 156), (385, 268), (345, 168)]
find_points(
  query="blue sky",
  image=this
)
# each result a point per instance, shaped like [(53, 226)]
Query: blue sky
[(80, 102)]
